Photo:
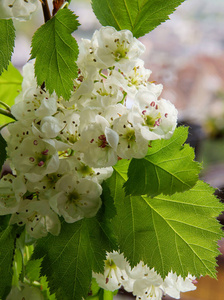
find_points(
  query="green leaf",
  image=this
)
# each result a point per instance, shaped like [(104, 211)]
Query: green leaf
[(119, 176), (68, 259), (7, 246), (169, 167), (139, 16), (7, 37), (10, 85), (177, 232), (2, 151), (56, 51), (107, 210), (45, 289), (17, 267), (33, 268)]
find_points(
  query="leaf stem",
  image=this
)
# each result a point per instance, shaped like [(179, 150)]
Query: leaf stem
[(46, 11), (6, 113), (5, 105)]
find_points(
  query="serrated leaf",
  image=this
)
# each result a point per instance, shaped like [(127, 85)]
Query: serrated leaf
[(168, 167), (56, 52), (7, 245), (177, 232), (7, 38), (45, 289), (139, 16), (33, 268), (2, 151), (70, 257), (10, 85)]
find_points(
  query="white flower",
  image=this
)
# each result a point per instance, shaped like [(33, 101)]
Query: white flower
[(146, 282), (17, 132), (98, 143), (35, 158), (69, 121), (131, 142), (34, 105), (17, 9), (12, 190), (174, 284), (114, 272), (156, 118), (116, 48), (76, 198), (47, 127), (84, 171), (38, 218)]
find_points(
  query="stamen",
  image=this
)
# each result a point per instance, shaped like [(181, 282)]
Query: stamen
[(45, 152)]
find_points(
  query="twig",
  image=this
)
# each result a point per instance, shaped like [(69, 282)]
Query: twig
[(6, 113), (46, 10)]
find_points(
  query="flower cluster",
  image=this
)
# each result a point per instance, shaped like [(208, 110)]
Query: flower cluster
[(142, 281), (17, 9), (61, 151)]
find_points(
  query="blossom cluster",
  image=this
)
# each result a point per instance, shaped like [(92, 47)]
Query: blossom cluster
[(142, 281), (61, 151)]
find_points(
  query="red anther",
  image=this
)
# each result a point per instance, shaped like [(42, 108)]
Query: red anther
[(45, 152), (41, 163), (166, 115), (152, 103), (156, 106), (143, 112), (91, 141), (107, 280), (104, 141), (35, 142), (31, 159), (157, 122)]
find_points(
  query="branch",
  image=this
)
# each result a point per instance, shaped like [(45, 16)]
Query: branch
[(46, 10)]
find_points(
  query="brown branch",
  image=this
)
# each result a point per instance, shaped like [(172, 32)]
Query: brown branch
[(57, 4), (46, 10)]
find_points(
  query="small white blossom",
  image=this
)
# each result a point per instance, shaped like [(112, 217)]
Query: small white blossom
[(76, 198), (12, 190), (131, 142), (38, 217), (35, 158), (114, 272), (174, 284), (17, 9), (116, 48), (98, 143)]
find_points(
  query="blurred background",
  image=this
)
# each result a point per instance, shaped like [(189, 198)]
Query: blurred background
[(186, 55)]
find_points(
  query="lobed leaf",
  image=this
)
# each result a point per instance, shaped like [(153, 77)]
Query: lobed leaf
[(139, 16), (68, 259), (56, 52), (168, 167), (177, 232), (7, 38)]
